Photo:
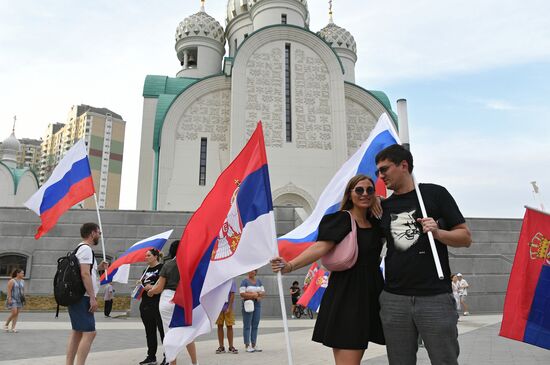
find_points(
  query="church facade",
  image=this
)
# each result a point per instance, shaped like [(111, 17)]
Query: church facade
[(299, 83)]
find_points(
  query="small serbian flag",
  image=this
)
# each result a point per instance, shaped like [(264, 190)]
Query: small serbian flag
[(310, 274), (70, 183), (314, 293), (362, 162), (120, 269), (137, 293), (526, 314)]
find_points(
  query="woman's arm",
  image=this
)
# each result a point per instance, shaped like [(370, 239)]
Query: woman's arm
[(311, 254), (9, 289), (158, 287)]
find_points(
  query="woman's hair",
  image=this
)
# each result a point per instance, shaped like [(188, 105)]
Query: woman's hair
[(173, 248), (158, 254), (15, 272), (346, 203)]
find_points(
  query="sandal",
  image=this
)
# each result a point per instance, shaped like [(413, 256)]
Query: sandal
[(232, 350), (220, 350)]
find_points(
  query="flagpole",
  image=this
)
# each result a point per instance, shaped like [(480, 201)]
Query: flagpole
[(281, 296), (100, 228), (404, 137)]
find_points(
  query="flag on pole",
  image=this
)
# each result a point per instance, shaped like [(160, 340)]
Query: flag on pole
[(314, 293), (362, 162), (526, 314), (231, 233), (310, 274), (120, 269), (70, 183)]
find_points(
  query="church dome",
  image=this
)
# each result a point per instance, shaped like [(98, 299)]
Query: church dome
[(11, 144), (236, 8), (338, 37), (202, 25)]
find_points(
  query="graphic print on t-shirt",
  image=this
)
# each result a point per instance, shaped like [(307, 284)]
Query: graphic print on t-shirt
[(404, 230)]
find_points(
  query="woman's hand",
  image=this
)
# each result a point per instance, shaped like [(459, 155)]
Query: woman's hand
[(376, 207), (279, 264)]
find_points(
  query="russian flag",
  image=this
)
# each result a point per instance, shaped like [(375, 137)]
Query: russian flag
[(526, 314), (70, 183), (120, 269), (362, 162), (231, 233)]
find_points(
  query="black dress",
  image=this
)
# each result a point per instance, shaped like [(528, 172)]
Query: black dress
[(349, 313)]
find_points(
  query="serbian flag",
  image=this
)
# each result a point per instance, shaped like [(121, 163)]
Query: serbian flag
[(70, 183), (310, 274), (314, 293), (362, 162), (231, 233), (526, 314), (120, 269)]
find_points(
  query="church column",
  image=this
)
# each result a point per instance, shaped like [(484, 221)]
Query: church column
[(185, 59)]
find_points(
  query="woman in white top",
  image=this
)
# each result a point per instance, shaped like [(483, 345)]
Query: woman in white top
[(251, 289), (454, 284)]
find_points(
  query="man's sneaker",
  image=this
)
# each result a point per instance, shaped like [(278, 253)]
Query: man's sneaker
[(232, 350), (257, 349), (149, 361), (250, 349), (466, 313), (293, 316), (220, 350)]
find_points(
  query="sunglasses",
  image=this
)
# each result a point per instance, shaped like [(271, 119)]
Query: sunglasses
[(382, 170), (359, 190)]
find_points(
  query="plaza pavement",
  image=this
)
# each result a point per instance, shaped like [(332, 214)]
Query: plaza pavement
[(42, 340)]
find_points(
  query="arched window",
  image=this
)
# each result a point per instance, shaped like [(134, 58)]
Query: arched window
[(10, 262)]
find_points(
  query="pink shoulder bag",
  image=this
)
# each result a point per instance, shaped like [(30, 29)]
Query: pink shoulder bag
[(344, 255)]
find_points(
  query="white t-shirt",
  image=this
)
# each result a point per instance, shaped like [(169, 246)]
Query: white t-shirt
[(462, 285), (85, 256)]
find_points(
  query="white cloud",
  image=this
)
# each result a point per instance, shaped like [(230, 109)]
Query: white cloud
[(499, 105)]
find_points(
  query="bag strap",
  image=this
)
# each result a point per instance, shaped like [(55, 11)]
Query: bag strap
[(353, 222), (93, 255)]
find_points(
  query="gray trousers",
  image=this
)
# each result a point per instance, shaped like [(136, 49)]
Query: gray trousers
[(434, 318)]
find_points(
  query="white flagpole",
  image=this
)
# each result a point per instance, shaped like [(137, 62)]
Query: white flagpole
[(404, 137), (281, 296), (100, 228)]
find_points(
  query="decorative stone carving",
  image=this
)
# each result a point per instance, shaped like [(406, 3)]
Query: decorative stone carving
[(312, 104), (210, 115), (291, 194), (360, 122), (264, 95)]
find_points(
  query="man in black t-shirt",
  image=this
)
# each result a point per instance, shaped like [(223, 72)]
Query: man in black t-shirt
[(415, 301)]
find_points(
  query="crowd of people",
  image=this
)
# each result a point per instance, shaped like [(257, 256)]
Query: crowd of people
[(359, 306)]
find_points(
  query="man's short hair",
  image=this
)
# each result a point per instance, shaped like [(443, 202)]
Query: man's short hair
[(396, 153), (87, 229)]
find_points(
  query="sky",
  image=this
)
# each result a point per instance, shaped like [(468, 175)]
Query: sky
[(476, 75)]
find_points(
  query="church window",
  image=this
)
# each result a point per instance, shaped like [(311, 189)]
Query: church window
[(283, 18), (288, 106), (10, 262), (202, 168), (245, 35), (235, 51)]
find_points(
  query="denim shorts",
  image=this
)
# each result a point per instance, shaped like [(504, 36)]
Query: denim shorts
[(82, 320)]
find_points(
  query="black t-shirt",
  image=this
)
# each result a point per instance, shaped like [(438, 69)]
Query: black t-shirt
[(410, 269), (150, 276), (296, 290)]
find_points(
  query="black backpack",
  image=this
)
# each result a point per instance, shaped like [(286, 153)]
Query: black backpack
[(68, 287)]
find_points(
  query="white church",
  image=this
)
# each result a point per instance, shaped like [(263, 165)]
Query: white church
[(300, 83)]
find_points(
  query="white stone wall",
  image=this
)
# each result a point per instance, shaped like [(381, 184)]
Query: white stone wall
[(6, 187), (360, 121), (144, 198), (28, 185)]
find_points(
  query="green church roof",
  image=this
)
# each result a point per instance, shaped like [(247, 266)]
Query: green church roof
[(17, 174)]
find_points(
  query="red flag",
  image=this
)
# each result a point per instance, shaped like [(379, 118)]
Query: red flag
[(526, 314)]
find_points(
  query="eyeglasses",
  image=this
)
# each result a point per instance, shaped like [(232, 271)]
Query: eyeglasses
[(359, 190), (382, 170)]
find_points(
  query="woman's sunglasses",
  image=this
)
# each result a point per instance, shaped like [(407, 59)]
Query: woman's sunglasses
[(359, 190)]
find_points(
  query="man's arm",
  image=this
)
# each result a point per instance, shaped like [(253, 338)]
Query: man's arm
[(87, 280), (457, 236)]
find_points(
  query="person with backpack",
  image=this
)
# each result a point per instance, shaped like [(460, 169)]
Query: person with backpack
[(82, 311)]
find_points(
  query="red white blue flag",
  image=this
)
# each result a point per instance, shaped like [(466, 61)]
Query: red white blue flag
[(310, 274), (120, 269), (362, 162), (70, 183), (526, 314), (231, 233), (314, 293)]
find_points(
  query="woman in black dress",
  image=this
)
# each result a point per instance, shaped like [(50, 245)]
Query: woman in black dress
[(349, 315)]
